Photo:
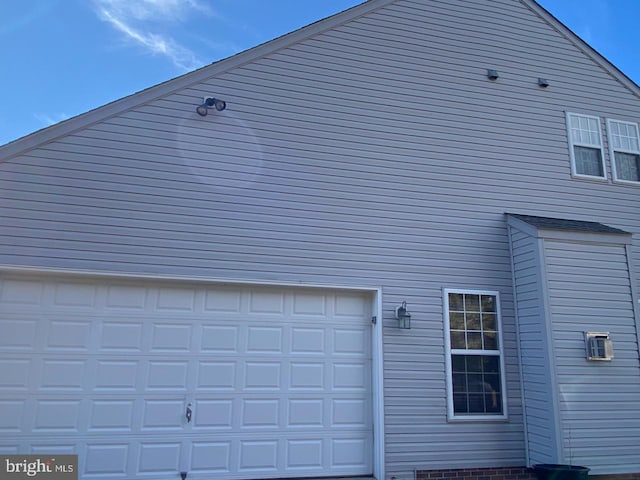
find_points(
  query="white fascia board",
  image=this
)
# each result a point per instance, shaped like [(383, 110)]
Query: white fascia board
[(26, 270)]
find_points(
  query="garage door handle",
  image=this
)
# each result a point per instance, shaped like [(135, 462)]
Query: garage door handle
[(189, 413)]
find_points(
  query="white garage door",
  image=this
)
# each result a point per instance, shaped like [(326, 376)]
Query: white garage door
[(278, 381)]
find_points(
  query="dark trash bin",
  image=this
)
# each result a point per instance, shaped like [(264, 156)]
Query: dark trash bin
[(550, 471)]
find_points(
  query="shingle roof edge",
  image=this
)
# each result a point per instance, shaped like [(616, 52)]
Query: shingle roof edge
[(567, 225)]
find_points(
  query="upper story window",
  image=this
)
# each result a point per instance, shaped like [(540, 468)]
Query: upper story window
[(624, 144), (585, 141), (475, 370)]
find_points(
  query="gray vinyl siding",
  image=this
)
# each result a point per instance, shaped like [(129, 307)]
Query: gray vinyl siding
[(598, 400), (535, 359), (375, 153)]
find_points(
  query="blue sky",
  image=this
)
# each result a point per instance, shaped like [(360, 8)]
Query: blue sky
[(60, 58)]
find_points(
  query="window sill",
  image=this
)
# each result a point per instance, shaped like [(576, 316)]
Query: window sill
[(631, 183), (478, 418), (589, 178)]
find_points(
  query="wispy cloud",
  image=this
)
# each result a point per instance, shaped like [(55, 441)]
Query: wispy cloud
[(50, 119), (137, 19), (593, 19)]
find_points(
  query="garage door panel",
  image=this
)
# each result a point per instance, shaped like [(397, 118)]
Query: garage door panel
[(110, 416), (12, 414), (260, 414), (211, 457), (222, 299), (216, 375), (106, 459), (350, 413), (121, 336), (175, 299), (267, 302), (349, 305), (350, 376), (15, 374), (307, 376), (307, 341), (69, 335), (62, 375), (279, 381), (166, 376), (219, 339), (265, 340), (57, 416), (304, 454), (258, 455), (351, 342), (73, 295), (21, 292), (18, 334), (116, 376), (163, 414), (306, 413), (259, 376), (213, 415), (307, 304), (123, 298), (159, 457), (171, 337), (349, 452)]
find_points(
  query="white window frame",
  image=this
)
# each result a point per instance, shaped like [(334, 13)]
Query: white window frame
[(451, 415), (613, 150), (572, 144)]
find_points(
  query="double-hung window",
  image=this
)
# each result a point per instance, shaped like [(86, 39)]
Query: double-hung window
[(474, 363), (585, 143), (624, 144)]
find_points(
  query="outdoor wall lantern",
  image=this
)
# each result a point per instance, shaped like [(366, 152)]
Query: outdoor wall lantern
[(403, 316), (543, 82), (492, 74), (208, 103)]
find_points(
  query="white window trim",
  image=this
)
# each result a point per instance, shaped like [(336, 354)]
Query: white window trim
[(612, 150), (574, 172), (451, 416)]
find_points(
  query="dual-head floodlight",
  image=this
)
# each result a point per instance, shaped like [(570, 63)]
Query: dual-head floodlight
[(208, 103)]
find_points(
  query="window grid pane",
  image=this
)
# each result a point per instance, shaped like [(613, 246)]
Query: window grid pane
[(472, 321), (627, 166), (477, 387), (624, 136), (585, 130), (588, 161)]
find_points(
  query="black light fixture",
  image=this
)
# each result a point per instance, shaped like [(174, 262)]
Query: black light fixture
[(208, 103), (403, 316), (543, 82), (492, 74)]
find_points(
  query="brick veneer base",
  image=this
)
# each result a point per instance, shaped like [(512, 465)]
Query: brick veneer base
[(506, 473)]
